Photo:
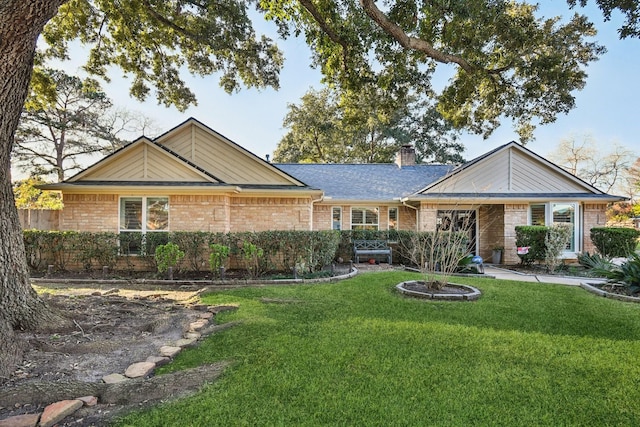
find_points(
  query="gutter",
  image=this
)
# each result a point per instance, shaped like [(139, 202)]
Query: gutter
[(404, 203)]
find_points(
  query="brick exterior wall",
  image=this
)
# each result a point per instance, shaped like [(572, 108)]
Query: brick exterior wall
[(428, 216), (593, 215), (322, 219), (407, 218), (199, 213), (90, 212), (490, 230), (263, 213), (516, 214)]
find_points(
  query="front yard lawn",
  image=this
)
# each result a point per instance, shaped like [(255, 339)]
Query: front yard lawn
[(357, 353)]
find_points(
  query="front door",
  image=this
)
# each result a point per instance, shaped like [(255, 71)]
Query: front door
[(459, 220)]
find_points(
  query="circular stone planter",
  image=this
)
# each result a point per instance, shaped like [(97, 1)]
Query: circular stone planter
[(451, 292)]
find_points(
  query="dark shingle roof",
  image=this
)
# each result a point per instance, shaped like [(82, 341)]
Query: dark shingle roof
[(376, 181)]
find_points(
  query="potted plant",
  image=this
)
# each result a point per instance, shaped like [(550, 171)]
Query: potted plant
[(496, 255)]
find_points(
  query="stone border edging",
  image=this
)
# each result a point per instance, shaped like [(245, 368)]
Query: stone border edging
[(56, 411), (594, 290), (472, 296)]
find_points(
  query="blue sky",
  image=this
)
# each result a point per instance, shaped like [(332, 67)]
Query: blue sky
[(606, 109)]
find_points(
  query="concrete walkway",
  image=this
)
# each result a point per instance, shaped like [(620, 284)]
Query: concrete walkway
[(502, 273)]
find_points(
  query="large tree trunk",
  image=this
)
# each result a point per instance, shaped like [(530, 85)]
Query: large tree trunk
[(21, 22)]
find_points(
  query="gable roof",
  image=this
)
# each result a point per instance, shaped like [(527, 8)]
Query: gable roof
[(511, 171), (189, 155), (210, 150), (365, 182)]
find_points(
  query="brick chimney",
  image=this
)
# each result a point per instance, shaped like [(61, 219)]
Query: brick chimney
[(406, 156)]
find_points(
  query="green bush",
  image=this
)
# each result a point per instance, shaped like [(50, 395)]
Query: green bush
[(194, 244), (168, 256), (614, 242), (555, 241), (218, 257), (532, 236), (282, 250)]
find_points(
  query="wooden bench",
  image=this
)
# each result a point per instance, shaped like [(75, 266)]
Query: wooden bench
[(371, 247)]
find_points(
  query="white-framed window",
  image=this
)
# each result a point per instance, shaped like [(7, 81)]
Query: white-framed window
[(558, 213), (139, 217), (365, 218), (393, 218), (336, 218)]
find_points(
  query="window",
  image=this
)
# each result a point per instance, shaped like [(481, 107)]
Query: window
[(538, 215), (557, 213), (139, 216), (393, 218), (336, 218), (364, 218), (565, 213)]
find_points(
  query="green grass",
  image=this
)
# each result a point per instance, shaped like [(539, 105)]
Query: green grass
[(357, 353)]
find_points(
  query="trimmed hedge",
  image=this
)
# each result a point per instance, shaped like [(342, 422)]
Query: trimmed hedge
[(614, 242), (532, 236), (283, 250)]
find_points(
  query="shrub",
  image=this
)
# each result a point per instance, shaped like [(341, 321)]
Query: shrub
[(532, 236), (614, 242), (194, 244), (555, 240), (436, 253), (595, 262), (252, 255), (627, 274), (168, 255), (218, 257)]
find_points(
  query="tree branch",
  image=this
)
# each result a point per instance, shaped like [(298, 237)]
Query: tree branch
[(311, 8), (409, 42)]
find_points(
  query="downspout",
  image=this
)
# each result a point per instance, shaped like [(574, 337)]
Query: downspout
[(311, 213), (404, 203)]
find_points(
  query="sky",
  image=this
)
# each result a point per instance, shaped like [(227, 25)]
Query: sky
[(606, 109)]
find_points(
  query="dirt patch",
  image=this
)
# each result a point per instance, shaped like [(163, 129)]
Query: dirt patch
[(113, 329)]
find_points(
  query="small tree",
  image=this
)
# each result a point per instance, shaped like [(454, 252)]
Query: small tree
[(27, 196), (438, 253), (556, 240), (252, 255), (218, 257), (167, 256)]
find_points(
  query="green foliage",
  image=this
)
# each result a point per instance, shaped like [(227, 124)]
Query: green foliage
[(555, 241), (509, 63), (27, 196), (218, 257), (252, 255), (364, 126), (594, 262), (614, 242), (153, 42), (532, 236), (194, 245), (627, 274), (168, 255), (96, 249)]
